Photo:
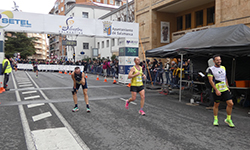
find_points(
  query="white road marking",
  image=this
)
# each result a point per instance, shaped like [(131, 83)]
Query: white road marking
[(35, 105), (22, 80), (25, 85), (130, 102), (27, 88), (29, 92), (31, 97), (41, 116), (63, 120), (58, 138), (26, 128)]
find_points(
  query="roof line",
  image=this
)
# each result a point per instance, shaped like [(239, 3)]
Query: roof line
[(88, 6), (116, 10)]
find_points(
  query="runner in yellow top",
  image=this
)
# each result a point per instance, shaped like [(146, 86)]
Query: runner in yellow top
[(136, 84), (218, 80)]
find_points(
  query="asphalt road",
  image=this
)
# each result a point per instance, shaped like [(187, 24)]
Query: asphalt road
[(36, 114)]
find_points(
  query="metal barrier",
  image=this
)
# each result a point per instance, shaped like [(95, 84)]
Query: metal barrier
[(49, 67)]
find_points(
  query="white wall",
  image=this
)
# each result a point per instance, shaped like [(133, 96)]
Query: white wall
[(107, 51), (93, 13)]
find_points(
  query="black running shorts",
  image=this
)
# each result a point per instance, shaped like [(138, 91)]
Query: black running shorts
[(85, 86), (225, 96), (35, 69), (136, 88)]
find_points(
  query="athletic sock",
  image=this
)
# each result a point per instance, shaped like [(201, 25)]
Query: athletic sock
[(215, 117), (76, 105), (87, 106), (141, 109), (228, 117)]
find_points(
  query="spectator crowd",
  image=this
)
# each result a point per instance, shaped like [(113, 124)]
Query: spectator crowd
[(157, 70)]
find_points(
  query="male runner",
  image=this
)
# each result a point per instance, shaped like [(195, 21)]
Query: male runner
[(35, 65), (218, 80), (79, 79), (136, 84)]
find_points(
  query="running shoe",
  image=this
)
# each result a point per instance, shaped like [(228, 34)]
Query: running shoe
[(230, 123), (88, 110), (216, 122), (36, 76), (75, 109), (126, 105), (142, 112)]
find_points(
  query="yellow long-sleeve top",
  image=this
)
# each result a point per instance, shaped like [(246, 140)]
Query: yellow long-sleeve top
[(177, 72)]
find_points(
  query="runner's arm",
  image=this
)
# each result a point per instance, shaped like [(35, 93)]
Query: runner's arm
[(72, 76), (217, 92), (83, 79), (131, 75), (210, 79), (227, 84), (144, 76)]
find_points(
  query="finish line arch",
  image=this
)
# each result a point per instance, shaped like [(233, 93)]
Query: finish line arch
[(53, 24)]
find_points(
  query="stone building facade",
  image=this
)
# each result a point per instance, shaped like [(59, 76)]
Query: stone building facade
[(184, 16)]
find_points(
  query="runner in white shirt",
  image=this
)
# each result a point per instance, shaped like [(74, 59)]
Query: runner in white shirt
[(218, 80)]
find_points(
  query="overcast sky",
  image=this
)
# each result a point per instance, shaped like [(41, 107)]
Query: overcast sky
[(33, 6)]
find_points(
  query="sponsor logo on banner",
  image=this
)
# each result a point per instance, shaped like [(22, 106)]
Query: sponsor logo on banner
[(127, 69), (129, 60), (121, 77), (7, 18), (122, 69), (69, 28), (131, 42), (111, 30), (107, 27)]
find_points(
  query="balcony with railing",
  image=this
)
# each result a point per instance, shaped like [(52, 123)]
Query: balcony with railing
[(179, 34)]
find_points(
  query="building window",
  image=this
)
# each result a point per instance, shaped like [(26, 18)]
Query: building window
[(61, 1), (179, 23), (210, 15), (85, 45), (117, 3), (98, 45), (107, 43), (113, 42), (98, 1), (61, 8), (102, 44), (111, 2), (199, 18), (85, 15), (188, 21)]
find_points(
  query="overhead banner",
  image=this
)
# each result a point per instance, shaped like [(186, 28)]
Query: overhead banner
[(55, 24)]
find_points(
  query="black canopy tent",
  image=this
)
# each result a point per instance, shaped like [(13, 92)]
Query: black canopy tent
[(231, 42)]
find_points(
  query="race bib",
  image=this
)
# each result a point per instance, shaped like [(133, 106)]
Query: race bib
[(139, 79), (221, 86)]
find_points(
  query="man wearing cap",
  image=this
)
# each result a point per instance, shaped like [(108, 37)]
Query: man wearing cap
[(6, 70)]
